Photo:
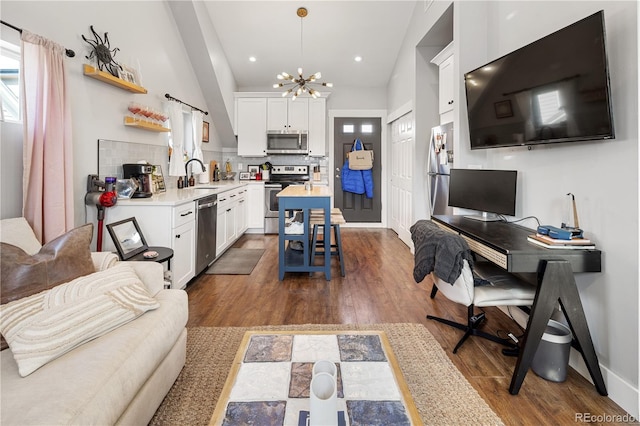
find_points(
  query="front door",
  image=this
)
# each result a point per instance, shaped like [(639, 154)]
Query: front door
[(357, 207)]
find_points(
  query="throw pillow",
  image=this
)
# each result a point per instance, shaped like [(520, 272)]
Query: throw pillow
[(45, 326), (60, 260)]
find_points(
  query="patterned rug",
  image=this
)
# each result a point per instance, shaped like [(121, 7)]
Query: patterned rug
[(441, 393)]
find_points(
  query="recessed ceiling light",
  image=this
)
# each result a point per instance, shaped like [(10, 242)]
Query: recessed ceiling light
[(358, 59), (252, 59)]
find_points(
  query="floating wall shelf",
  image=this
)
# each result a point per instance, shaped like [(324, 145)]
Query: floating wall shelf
[(135, 122), (110, 79)]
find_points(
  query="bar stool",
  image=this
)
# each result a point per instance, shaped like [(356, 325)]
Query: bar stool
[(316, 218)]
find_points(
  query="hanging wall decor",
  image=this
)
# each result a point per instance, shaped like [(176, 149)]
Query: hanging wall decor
[(103, 54)]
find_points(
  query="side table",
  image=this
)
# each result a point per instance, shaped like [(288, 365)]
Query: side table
[(164, 255)]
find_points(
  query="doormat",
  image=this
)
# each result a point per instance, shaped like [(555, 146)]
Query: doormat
[(236, 261)]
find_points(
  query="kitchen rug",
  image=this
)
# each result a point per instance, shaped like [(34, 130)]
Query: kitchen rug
[(236, 261)]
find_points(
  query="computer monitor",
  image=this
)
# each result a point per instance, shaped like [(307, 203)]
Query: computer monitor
[(490, 192)]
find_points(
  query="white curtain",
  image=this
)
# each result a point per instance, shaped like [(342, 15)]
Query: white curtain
[(176, 120), (196, 123), (48, 148)]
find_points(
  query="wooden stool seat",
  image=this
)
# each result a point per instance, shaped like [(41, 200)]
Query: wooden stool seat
[(316, 218)]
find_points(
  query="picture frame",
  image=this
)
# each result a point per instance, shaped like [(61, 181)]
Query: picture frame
[(205, 132), (253, 171), (245, 176), (503, 109), (157, 180), (127, 237), (129, 74)]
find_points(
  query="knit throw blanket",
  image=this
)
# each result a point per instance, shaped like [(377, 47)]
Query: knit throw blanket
[(438, 251)]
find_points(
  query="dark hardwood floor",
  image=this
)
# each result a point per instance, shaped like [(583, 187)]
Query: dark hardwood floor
[(379, 288)]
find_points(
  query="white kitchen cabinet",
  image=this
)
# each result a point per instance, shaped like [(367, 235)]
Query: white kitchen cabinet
[(285, 114), (164, 226), (231, 218), (255, 207), (317, 127), (251, 119), (183, 266), (446, 96)]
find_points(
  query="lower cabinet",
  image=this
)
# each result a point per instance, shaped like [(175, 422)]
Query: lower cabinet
[(183, 266), (164, 226), (255, 207), (232, 218)]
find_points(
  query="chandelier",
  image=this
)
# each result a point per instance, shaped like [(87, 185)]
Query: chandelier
[(300, 84)]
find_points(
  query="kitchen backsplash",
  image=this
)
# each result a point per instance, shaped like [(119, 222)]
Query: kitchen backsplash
[(113, 154)]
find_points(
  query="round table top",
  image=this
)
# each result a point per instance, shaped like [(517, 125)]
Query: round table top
[(164, 254)]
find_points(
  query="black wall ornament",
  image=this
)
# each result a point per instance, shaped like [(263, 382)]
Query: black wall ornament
[(103, 53)]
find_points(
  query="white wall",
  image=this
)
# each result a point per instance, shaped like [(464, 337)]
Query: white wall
[(602, 175), (146, 35)]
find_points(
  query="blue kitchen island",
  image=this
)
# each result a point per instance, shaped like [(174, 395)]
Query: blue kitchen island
[(296, 197)]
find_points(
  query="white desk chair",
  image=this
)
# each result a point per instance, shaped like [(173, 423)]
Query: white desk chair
[(502, 290)]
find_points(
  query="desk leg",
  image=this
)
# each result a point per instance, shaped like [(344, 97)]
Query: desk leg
[(557, 283)]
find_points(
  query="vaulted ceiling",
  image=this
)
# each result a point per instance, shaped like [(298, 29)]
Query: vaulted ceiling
[(333, 34)]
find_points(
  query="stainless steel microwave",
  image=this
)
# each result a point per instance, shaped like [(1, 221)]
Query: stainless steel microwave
[(287, 143)]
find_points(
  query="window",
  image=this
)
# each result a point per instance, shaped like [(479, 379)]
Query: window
[(10, 81), (348, 128), (367, 128)]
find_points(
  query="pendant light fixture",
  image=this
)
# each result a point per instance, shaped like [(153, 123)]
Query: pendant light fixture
[(300, 85)]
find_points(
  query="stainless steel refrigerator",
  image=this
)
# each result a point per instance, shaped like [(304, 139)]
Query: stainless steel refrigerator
[(439, 162)]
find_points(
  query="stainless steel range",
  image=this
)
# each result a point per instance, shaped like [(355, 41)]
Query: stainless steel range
[(279, 178)]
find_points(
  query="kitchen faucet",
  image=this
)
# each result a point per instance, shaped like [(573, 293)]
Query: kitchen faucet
[(186, 171)]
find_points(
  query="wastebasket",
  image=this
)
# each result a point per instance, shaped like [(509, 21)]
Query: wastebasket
[(552, 357)]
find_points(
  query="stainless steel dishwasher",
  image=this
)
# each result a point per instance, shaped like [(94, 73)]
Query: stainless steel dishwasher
[(206, 232)]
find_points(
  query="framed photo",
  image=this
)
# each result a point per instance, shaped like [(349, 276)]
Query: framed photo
[(129, 74), (127, 237), (205, 132), (245, 175), (503, 109), (157, 180), (253, 171)]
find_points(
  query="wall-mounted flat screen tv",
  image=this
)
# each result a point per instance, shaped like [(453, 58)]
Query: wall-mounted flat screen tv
[(555, 89)]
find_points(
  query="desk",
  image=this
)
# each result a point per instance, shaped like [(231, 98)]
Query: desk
[(505, 244), (295, 197)]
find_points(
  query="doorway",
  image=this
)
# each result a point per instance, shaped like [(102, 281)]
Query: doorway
[(357, 207)]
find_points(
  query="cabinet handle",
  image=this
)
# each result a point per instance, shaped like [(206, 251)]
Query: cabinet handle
[(232, 195), (186, 214), (178, 236), (450, 102), (224, 199), (241, 201)]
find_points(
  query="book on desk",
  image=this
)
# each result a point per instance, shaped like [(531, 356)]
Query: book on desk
[(556, 243)]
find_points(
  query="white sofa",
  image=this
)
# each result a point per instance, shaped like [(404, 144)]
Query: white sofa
[(118, 378)]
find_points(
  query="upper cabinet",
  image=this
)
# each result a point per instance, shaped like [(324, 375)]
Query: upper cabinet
[(317, 127), (251, 119), (284, 114), (444, 60), (257, 113)]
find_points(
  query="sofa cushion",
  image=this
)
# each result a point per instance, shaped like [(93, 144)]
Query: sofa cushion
[(18, 232), (59, 261), (94, 383), (23, 273), (44, 326)]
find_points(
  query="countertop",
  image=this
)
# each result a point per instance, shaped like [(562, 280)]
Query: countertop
[(299, 191), (176, 197)]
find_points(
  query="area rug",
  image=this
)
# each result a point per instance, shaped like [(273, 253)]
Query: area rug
[(441, 393), (236, 261)]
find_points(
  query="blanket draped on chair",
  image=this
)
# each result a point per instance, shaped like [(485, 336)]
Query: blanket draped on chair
[(438, 251)]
